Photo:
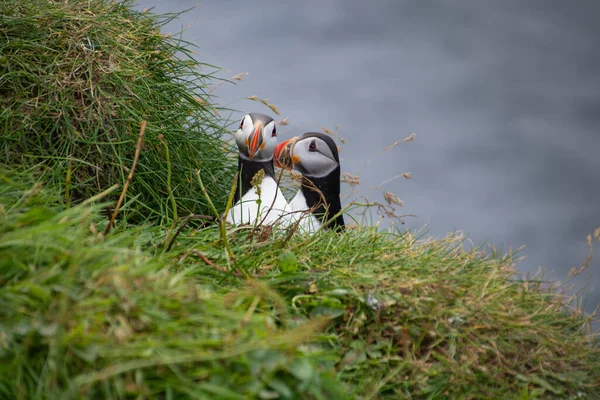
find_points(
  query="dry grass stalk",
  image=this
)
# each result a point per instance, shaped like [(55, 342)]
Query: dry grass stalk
[(138, 146)]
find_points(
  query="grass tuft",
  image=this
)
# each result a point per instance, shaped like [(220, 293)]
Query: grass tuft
[(76, 81)]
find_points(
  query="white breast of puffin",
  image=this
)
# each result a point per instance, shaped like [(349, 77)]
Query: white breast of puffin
[(252, 208), (300, 210)]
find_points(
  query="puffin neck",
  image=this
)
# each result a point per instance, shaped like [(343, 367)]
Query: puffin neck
[(329, 186), (249, 168)]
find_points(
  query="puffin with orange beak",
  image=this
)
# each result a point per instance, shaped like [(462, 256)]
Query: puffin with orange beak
[(315, 156), (256, 139)]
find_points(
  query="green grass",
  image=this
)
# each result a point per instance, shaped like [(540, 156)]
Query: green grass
[(77, 79), (84, 315), (363, 314), (117, 316)]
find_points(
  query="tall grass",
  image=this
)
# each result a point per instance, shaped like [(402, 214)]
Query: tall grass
[(76, 81), (88, 316)]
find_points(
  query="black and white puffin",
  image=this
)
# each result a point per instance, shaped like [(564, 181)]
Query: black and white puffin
[(256, 139), (315, 156)]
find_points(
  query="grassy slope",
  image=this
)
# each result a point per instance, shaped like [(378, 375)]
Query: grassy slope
[(364, 313), (100, 317), (117, 316)]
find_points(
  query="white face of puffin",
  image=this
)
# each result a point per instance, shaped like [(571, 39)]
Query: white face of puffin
[(313, 157), (256, 137), (309, 155)]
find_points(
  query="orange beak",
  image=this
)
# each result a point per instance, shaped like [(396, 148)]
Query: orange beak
[(283, 153), (256, 140)]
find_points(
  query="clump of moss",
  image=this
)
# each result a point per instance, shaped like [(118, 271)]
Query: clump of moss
[(76, 81)]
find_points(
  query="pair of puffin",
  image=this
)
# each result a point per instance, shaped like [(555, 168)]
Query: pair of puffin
[(313, 154)]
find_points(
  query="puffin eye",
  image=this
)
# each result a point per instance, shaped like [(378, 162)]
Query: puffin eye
[(274, 132), (242, 123), (312, 146)]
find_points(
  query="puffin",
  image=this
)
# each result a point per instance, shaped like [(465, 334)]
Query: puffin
[(317, 202), (256, 139)]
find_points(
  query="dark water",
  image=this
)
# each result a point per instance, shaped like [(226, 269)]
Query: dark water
[(504, 98)]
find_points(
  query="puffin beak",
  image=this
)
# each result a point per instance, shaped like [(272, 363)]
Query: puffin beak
[(283, 153), (256, 140)]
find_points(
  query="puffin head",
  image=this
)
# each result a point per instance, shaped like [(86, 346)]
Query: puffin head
[(256, 137), (313, 154)]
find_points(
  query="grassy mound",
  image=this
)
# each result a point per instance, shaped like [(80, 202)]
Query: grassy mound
[(118, 317), (363, 314), (429, 319), (76, 80), (100, 318)]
